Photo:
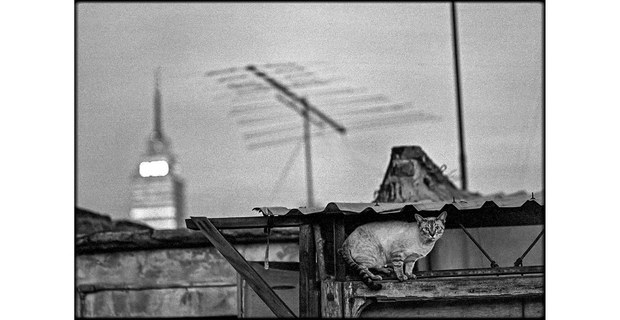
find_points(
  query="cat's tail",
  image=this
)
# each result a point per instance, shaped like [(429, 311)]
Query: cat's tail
[(363, 272)]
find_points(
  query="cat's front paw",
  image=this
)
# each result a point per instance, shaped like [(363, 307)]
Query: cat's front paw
[(411, 276), (402, 277)]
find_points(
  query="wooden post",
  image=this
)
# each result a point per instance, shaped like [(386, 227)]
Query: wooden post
[(260, 286), (308, 287), (339, 237), (331, 299), (320, 255), (353, 306)]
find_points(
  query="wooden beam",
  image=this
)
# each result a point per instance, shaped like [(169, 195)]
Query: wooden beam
[(464, 288), (260, 286), (471, 272), (251, 222), (308, 287)]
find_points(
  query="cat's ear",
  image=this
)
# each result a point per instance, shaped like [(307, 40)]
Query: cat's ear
[(418, 218), (443, 216)]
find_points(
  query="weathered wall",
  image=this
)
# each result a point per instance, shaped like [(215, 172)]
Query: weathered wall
[(161, 282), (178, 273)]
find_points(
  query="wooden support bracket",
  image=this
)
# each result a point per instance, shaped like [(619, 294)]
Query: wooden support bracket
[(245, 270)]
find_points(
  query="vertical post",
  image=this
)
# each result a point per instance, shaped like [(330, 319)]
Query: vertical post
[(309, 295), (339, 237), (331, 299), (309, 187), (457, 79)]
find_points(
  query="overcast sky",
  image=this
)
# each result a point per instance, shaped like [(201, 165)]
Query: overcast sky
[(402, 50)]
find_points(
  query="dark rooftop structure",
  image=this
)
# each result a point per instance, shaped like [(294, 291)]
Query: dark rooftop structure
[(412, 176)]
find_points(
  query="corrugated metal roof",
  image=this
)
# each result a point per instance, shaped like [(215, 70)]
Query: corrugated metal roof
[(515, 200)]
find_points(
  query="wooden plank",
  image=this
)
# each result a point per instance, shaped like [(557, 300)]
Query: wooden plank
[(533, 308), (105, 242), (308, 288), (251, 222), (451, 309), (471, 272), (260, 286), (453, 288), (331, 299)]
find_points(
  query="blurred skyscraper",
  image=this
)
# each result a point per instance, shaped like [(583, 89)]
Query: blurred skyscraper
[(157, 190)]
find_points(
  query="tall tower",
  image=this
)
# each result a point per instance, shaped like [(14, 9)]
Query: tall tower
[(157, 190)]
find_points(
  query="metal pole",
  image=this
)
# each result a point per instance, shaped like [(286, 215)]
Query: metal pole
[(519, 261), (309, 187), (493, 263), (457, 78)]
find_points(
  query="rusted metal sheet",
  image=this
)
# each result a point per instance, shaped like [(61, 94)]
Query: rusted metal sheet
[(515, 200), (488, 211)]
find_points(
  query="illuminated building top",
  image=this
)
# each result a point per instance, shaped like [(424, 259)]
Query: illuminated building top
[(157, 191)]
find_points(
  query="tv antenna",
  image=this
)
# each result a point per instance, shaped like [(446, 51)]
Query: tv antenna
[(322, 102)]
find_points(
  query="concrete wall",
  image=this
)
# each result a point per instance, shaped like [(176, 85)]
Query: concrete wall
[(159, 281)]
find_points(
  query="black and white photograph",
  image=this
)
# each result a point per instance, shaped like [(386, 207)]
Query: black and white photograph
[(322, 160)]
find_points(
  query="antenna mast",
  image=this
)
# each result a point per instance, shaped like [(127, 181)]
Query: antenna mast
[(459, 98), (305, 112)]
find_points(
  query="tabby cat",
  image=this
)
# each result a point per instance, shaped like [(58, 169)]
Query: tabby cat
[(391, 246)]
